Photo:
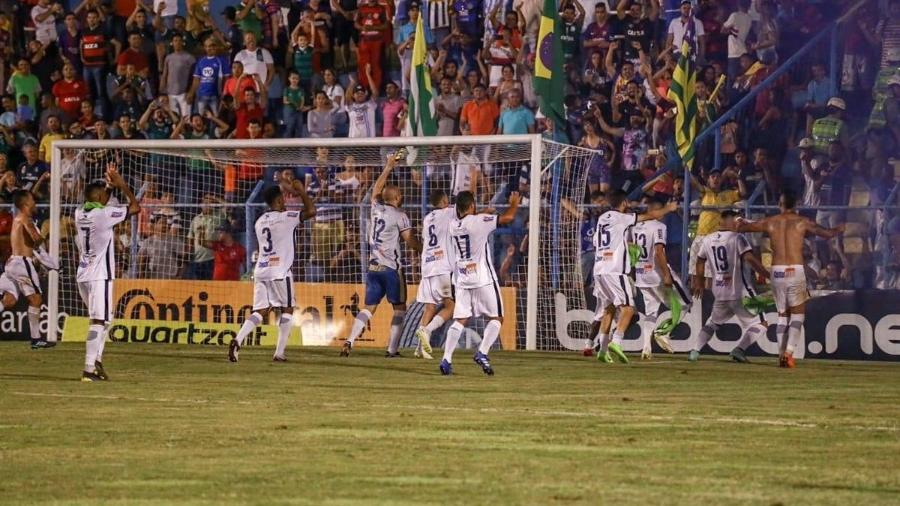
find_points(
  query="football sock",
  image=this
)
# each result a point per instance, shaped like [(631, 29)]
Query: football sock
[(434, 324), (92, 346), (396, 323), (781, 329), (706, 334), (102, 342), (491, 332), (604, 342), (34, 322), (359, 324), (248, 326), (617, 338), (284, 332), (794, 330), (750, 337), (453, 335)]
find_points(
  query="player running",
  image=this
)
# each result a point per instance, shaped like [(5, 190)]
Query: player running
[(435, 289), (653, 276), (477, 289), (273, 282), (730, 253), (95, 223), (385, 276), (20, 276), (612, 268), (786, 231)]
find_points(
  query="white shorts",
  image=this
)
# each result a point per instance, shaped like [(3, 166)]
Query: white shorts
[(656, 296), (269, 293), (97, 296), (692, 259), (789, 286), (20, 277), (434, 289), (482, 301), (600, 309), (615, 289), (723, 310)]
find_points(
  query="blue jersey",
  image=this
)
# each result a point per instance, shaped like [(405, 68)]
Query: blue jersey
[(210, 70), (468, 15)]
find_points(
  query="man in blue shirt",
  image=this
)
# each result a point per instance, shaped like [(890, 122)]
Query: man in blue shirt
[(516, 118), (818, 91), (210, 73), (468, 17)]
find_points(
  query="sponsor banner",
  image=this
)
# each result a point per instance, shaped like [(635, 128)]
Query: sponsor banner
[(849, 325), (324, 313), (167, 332)]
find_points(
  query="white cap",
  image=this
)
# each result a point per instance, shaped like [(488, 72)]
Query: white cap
[(805, 143), (837, 103)]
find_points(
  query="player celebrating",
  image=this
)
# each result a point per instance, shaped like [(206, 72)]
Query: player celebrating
[(95, 223), (20, 275), (477, 288), (786, 231), (730, 253), (612, 269), (273, 283), (385, 277), (653, 275), (434, 289)]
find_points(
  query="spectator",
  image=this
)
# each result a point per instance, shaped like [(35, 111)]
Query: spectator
[(811, 166), (737, 26), (712, 195), (294, 106), (69, 92), (203, 228), (831, 128), (818, 91), (361, 108), (257, 61), (250, 109), (24, 111), (678, 27), (599, 172), (234, 36), (321, 119), (637, 26), (393, 111), (333, 89), (163, 254), (128, 104), (239, 82), (33, 173), (70, 42), (126, 129), (134, 55), (447, 108), (130, 79), (887, 32), (95, 41), (372, 21), (44, 17), (9, 119), (177, 74), (302, 58), (572, 18), (23, 83), (479, 115), (516, 119), (54, 132), (249, 15), (210, 73), (229, 256), (404, 40), (596, 37)]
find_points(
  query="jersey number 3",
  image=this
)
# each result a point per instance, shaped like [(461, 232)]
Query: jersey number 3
[(268, 233)]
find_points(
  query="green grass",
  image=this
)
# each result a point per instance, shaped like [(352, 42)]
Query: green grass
[(181, 425)]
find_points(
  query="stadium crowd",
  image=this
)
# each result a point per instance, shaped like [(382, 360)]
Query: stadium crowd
[(130, 69)]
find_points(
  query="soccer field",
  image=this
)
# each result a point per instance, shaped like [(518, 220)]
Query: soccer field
[(182, 425)]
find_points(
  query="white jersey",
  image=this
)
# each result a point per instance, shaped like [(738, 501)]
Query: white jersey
[(387, 224), (462, 172), (275, 243), (94, 237), (435, 233), (611, 238), (362, 119), (472, 264), (647, 235), (724, 252)]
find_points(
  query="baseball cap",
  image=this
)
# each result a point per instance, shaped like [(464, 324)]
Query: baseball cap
[(894, 80), (729, 212), (359, 87), (805, 143), (837, 103), (412, 5)]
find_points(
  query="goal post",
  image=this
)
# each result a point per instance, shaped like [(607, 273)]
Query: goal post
[(187, 185)]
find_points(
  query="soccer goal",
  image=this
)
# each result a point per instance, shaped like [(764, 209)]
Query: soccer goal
[(184, 263)]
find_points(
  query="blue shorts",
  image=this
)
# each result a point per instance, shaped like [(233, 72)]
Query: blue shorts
[(383, 282)]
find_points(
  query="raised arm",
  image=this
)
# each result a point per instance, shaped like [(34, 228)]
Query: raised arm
[(752, 226), (114, 179), (383, 177), (655, 214), (309, 209), (510, 214), (824, 233)]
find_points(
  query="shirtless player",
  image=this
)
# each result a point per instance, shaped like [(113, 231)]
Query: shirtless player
[(786, 231)]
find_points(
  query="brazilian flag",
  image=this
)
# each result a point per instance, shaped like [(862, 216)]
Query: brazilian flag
[(549, 80)]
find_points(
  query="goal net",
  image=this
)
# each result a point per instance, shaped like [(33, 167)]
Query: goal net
[(184, 264)]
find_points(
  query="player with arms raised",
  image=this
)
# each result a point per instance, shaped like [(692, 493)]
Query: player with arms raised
[(273, 282), (20, 276), (612, 269), (95, 223), (435, 289), (384, 278), (729, 253), (476, 282), (786, 231)]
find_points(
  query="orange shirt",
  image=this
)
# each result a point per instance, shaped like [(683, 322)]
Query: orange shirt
[(482, 118)]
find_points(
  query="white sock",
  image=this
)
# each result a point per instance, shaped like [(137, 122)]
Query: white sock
[(434, 324), (102, 342), (750, 337), (92, 346), (359, 324), (604, 342), (34, 322), (285, 324), (453, 335), (781, 329), (794, 330), (706, 334), (617, 338), (491, 333), (396, 323), (248, 326)]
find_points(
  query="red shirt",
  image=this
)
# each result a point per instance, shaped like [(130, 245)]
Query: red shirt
[(227, 261), (244, 115), (69, 95), (93, 47), (372, 15), (136, 58)]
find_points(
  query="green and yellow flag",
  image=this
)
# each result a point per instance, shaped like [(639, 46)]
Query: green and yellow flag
[(549, 81), (681, 91), (421, 120)]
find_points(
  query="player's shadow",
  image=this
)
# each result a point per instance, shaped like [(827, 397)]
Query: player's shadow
[(40, 377), (174, 355)]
